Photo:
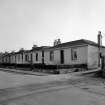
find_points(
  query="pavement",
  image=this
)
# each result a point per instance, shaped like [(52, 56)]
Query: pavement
[(45, 74), (25, 72)]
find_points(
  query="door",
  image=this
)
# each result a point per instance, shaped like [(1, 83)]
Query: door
[(62, 56), (42, 57)]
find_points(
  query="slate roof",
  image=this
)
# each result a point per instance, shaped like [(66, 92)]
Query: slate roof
[(77, 42), (40, 48)]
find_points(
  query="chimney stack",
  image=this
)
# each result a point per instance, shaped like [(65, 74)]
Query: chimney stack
[(99, 39)]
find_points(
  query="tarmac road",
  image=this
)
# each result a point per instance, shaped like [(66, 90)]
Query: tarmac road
[(17, 89), (59, 95), (13, 79)]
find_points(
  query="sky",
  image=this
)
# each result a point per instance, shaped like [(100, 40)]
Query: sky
[(27, 22)]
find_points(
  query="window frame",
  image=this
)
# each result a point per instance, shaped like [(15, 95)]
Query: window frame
[(51, 56), (74, 54), (26, 57)]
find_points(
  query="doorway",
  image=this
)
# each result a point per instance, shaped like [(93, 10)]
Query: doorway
[(62, 56)]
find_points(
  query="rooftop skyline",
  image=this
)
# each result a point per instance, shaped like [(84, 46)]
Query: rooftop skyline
[(27, 22)]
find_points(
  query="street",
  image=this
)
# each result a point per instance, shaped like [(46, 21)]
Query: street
[(63, 89), (12, 79), (59, 96)]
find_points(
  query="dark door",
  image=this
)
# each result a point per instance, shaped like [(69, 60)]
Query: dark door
[(62, 56), (31, 58), (42, 57), (103, 62)]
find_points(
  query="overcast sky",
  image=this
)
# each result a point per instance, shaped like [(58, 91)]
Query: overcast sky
[(27, 22)]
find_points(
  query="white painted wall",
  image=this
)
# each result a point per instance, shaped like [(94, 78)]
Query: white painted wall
[(29, 56), (81, 55), (57, 56), (82, 52), (92, 56), (12, 58), (39, 57), (47, 58), (19, 58), (24, 61), (103, 51)]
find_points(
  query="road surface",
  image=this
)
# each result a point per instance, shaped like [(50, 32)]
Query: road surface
[(58, 96), (12, 79), (19, 89)]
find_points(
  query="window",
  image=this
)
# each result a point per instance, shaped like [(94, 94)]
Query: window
[(36, 56), (74, 54), (18, 57), (22, 56), (26, 57), (51, 55), (15, 58), (31, 57)]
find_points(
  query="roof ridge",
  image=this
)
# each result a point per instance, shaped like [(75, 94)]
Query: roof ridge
[(77, 42), (85, 40)]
